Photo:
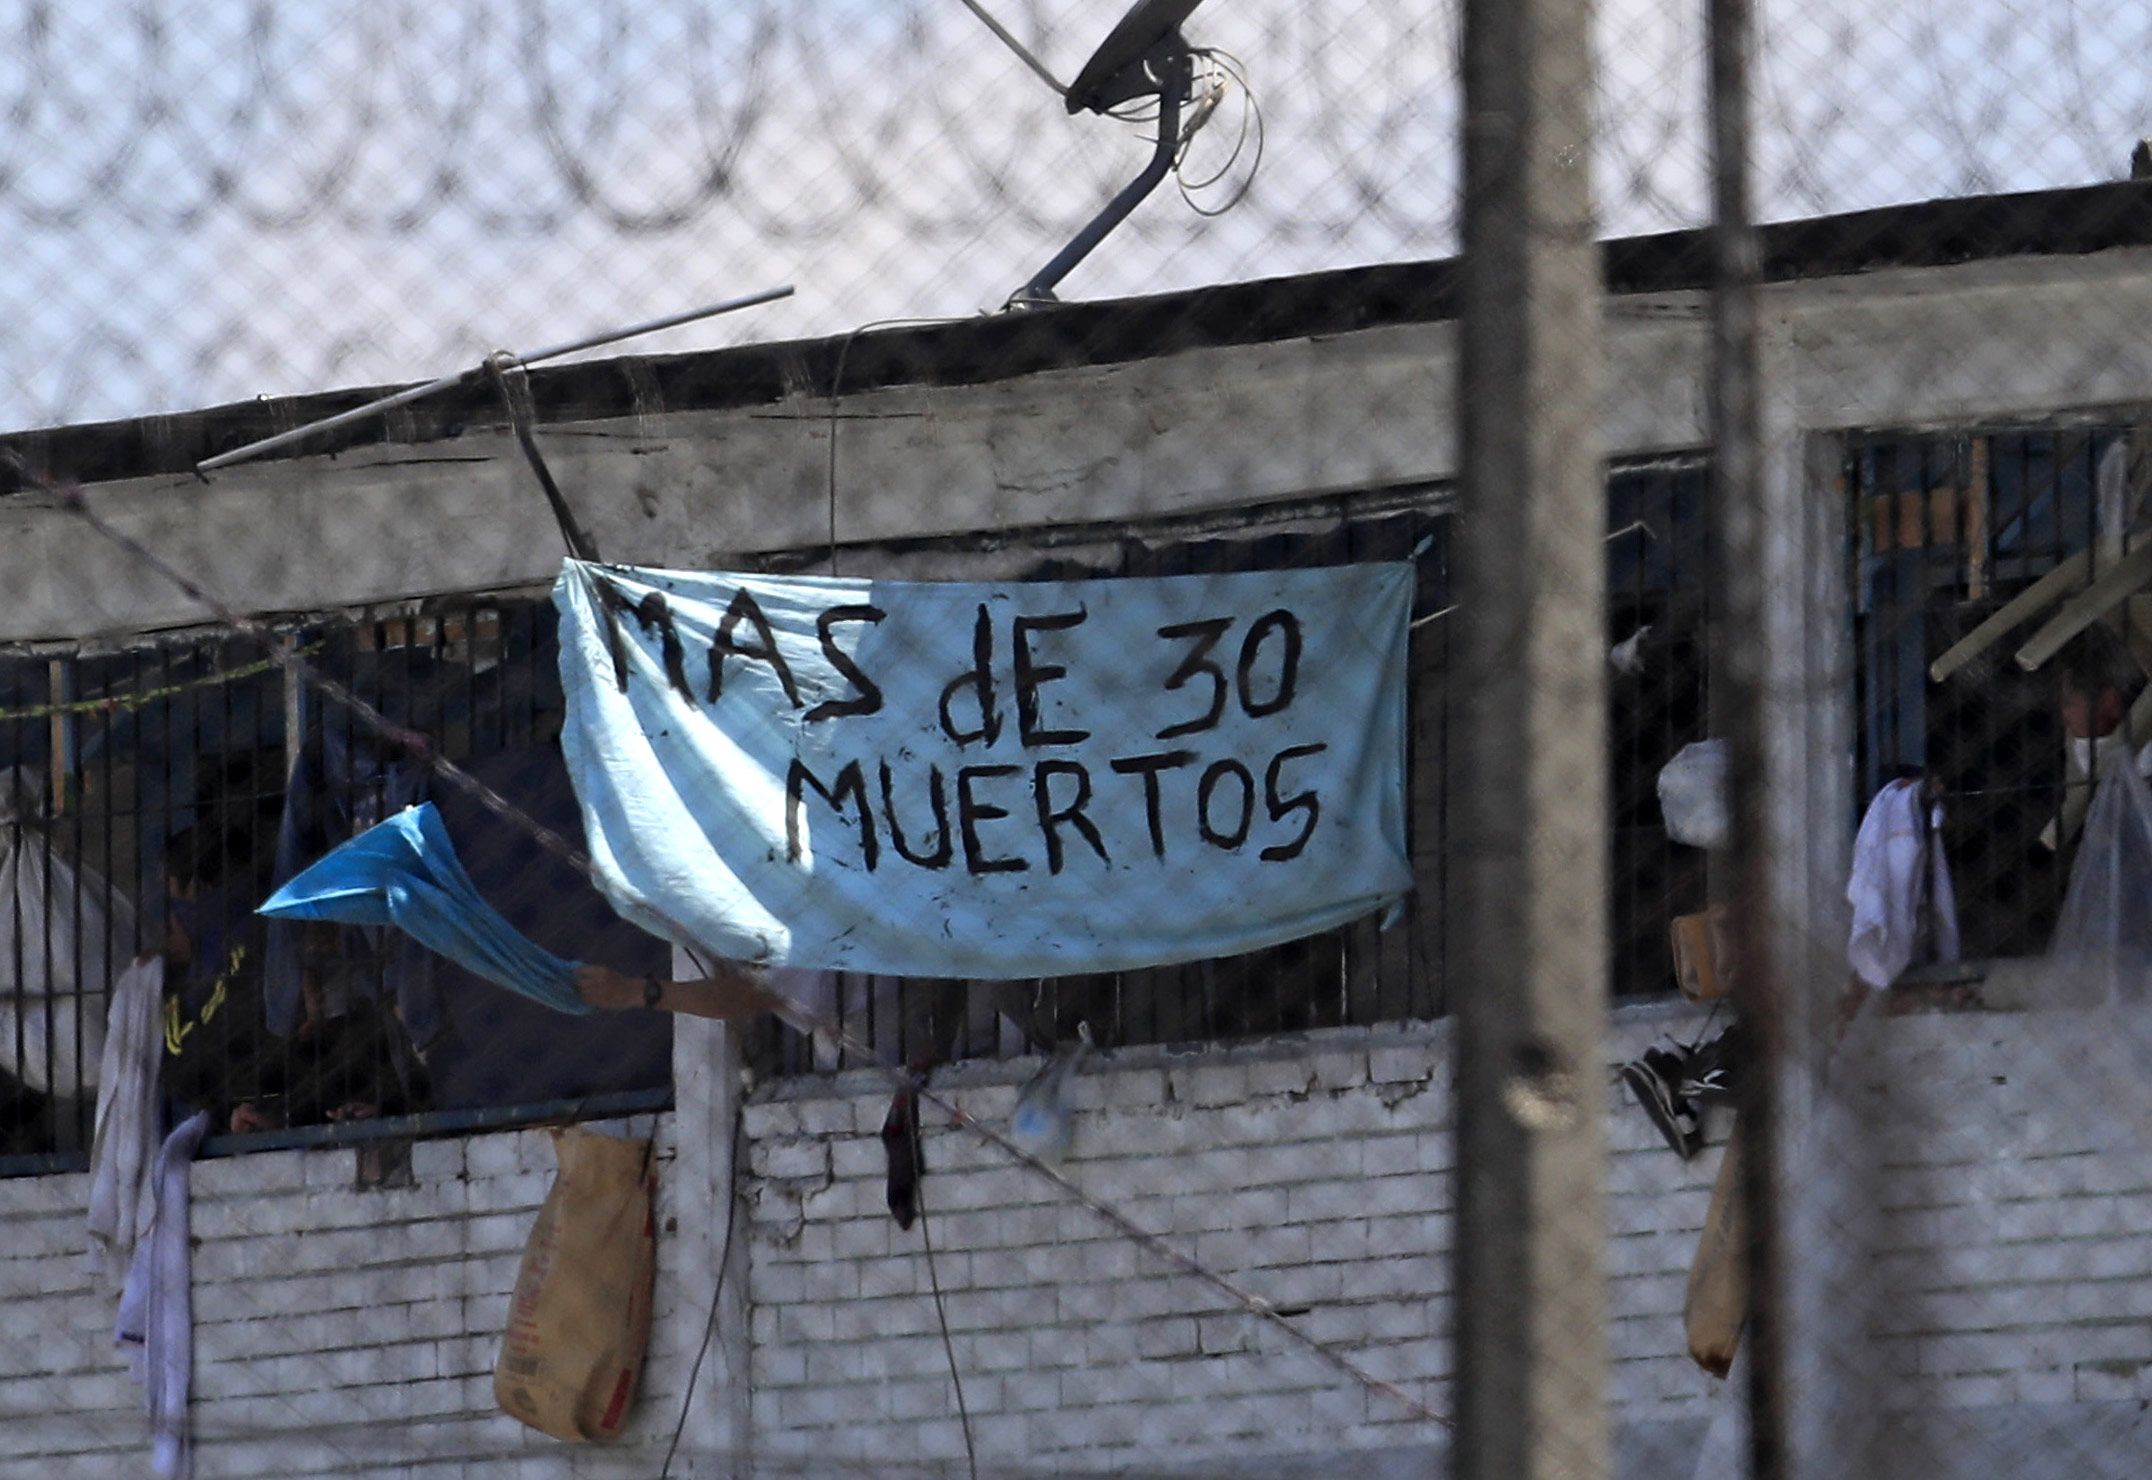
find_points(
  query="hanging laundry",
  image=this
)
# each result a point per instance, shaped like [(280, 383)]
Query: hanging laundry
[(2086, 999), (2101, 952), (123, 1148), (157, 1306), (1044, 1120), (404, 872), (70, 932), (900, 1143), (217, 1056), (1627, 656), (1900, 889)]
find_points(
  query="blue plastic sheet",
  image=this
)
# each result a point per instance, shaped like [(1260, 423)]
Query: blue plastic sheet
[(993, 781), (404, 872)]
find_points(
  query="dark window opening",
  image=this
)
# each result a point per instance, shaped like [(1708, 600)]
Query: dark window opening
[(168, 744), (160, 793)]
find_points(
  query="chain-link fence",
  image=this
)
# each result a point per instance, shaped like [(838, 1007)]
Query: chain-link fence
[(1306, 767)]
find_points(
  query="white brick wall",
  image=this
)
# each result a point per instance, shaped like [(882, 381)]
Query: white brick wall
[(1316, 1173), (2018, 1235), (345, 1332), (337, 1331)]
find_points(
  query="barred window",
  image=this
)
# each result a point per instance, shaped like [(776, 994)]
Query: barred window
[(161, 789), (1947, 527), (1373, 971)]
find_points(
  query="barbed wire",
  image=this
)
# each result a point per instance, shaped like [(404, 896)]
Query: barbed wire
[(173, 173), (338, 102), (307, 138), (208, 201)]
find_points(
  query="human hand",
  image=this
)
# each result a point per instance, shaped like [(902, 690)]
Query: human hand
[(607, 989), (248, 1118)]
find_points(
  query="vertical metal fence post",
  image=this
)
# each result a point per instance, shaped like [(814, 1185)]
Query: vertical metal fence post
[(1758, 697), (1527, 894)]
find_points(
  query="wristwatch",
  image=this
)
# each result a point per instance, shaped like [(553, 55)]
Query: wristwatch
[(652, 990)]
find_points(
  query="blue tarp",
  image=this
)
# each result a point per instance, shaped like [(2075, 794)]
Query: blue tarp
[(988, 780), (484, 1046), (404, 872)]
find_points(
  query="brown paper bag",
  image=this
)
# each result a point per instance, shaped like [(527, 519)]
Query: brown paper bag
[(1717, 1301), (1703, 955), (581, 1314)]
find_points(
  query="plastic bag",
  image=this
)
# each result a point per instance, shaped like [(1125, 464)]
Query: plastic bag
[(2086, 1044), (1692, 795), (2102, 948), (580, 1319)]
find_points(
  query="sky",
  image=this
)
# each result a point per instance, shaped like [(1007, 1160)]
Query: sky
[(210, 200)]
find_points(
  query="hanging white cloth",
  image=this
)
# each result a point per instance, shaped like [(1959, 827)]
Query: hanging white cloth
[(1898, 871), (157, 1306), (124, 1148), (64, 934)]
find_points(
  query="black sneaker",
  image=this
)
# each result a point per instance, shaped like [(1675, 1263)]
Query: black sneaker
[(1654, 1090), (1707, 1071)]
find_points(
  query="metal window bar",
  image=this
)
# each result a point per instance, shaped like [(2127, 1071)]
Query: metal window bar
[(1360, 974), (25, 1134), (42, 844), (478, 675), (422, 666)]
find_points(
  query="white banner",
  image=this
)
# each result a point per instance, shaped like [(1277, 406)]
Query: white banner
[(989, 780)]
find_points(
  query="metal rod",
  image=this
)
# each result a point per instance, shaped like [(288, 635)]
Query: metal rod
[(424, 1123), (1016, 46), (1526, 892), (652, 326), (476, 373), (1174, 83), (1757, 684), (514, 386)]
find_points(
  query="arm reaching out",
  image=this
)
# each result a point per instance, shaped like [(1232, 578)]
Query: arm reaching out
[(733, 993)]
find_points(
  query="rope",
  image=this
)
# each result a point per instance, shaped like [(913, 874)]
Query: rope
[(941, 1314), (733, 1215), (116, 703)]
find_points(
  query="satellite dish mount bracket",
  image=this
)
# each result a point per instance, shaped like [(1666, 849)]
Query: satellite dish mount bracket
[(1166, 71)]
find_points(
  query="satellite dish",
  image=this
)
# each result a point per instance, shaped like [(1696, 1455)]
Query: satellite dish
[(1144, 56), (1118, 71)]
